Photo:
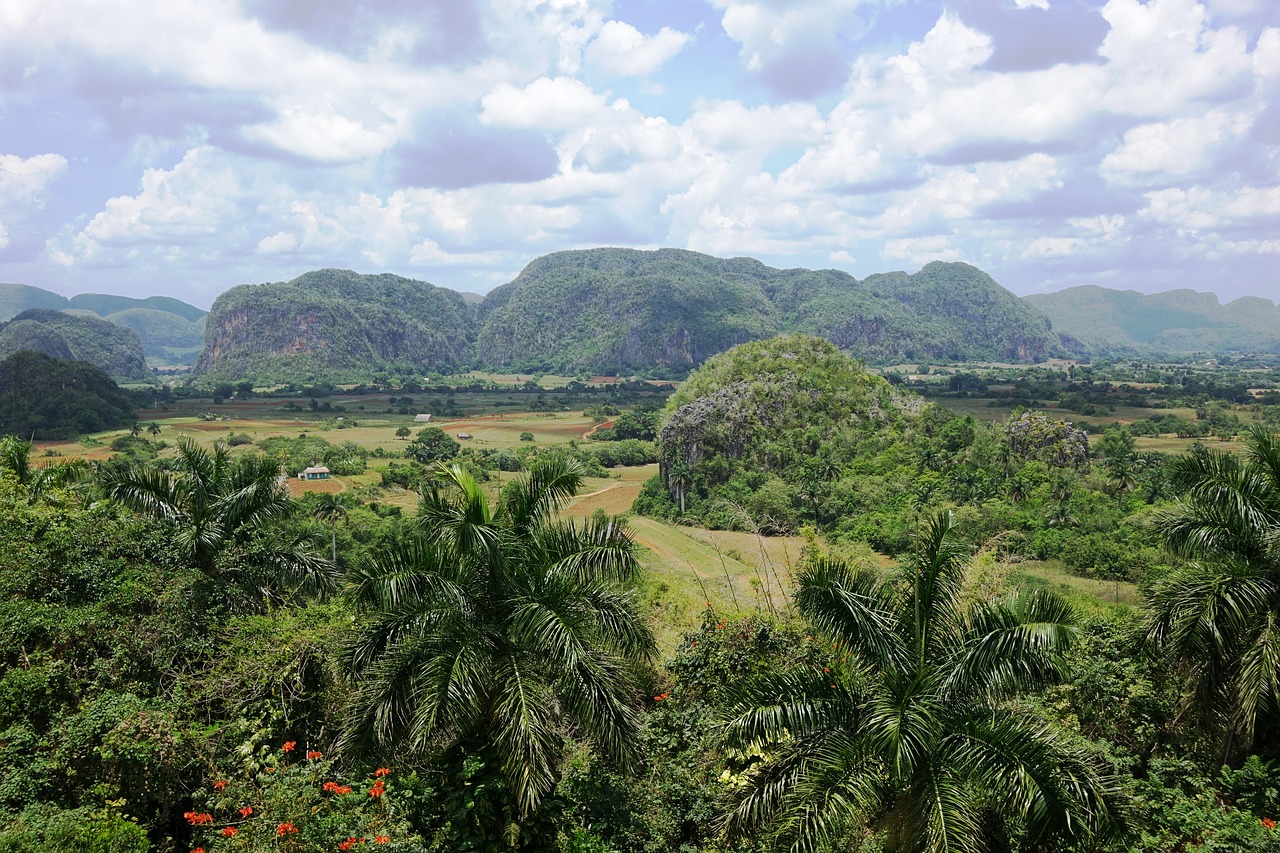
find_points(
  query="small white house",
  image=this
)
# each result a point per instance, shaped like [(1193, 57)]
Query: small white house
[(422, 419), (315, 472)]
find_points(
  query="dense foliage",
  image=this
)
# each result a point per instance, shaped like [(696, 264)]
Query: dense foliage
[(47, 398)]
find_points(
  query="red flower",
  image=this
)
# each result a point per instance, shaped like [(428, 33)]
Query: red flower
[(382, 771), (313, 755), (230, 831), (382, 839), (348, 844), (377, 790), (1268, 823), (286, 828), (198, 818), (288, 746), (198, 850), (220, 784), (694, 643)]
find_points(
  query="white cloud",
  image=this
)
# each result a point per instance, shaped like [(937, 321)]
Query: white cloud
[(560, 103), (1164, 151), (277, 243), (1031, 4), (920, 250), (1054, 247), (621, 49), (24, 181)]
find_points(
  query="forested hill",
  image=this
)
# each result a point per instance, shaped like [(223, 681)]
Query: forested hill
[(622, 310), (335, 320), (615, 311), (113, 349), (1173, 321)]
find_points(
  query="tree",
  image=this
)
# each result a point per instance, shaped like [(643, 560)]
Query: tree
[(432, 444), (403, 433), (15, 457), (328, 507), (1219, 616), (495, 629), (153, 428), (216, 504), (916, 732)]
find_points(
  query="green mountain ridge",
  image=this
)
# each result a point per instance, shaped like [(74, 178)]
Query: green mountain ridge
[(1173, 321), (113, 349), (615, 311)]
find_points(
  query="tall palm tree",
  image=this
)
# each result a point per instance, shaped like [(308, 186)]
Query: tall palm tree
[(917, 734), (328, 507), (216, 504), (1219, 616), (496, 629)]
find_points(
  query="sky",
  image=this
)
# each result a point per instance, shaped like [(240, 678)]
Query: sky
[(181, 147)]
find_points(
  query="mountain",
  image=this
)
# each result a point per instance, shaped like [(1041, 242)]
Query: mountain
[(111, 348), (333, 321), (16, 298), (105, 305), (1173, 321), (49, 398), (171, 331), (622, 311), (167, 337)]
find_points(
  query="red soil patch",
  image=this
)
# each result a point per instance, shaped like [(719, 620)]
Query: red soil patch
[(297, 488)]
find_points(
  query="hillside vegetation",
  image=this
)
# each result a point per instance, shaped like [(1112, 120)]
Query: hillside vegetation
[(1174, 321), (47, 398), (113, 349), (617, 312), (335, 320)]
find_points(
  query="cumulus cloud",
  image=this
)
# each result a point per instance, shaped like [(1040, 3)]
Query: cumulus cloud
[(621, 49), (798, 48)]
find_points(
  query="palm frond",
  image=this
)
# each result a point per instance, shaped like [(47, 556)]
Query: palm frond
[(853, 607)]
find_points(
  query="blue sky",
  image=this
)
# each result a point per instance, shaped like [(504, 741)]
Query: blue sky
[(187, 146)]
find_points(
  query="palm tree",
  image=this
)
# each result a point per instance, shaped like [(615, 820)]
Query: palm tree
[(329, 508), (917, 733), (153, 428), (216, 504), (15, 457), (1219, 616), (497, 628)]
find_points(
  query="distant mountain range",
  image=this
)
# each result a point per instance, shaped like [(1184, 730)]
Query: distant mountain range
[(171, 332), (1118, 321), (623, 311)]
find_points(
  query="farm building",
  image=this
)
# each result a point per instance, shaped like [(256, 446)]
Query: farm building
[(422, 419), (315, 472)]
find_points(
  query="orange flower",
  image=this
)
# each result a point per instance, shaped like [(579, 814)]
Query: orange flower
[(246, 811), (313, 755), (1268, 823), (694, 643), (198, 818), (382, 839), (288, 746), (198, 850), (348, 844), (378, 789), (382, 771), (220, 784), (230, 831), (286, 828)]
